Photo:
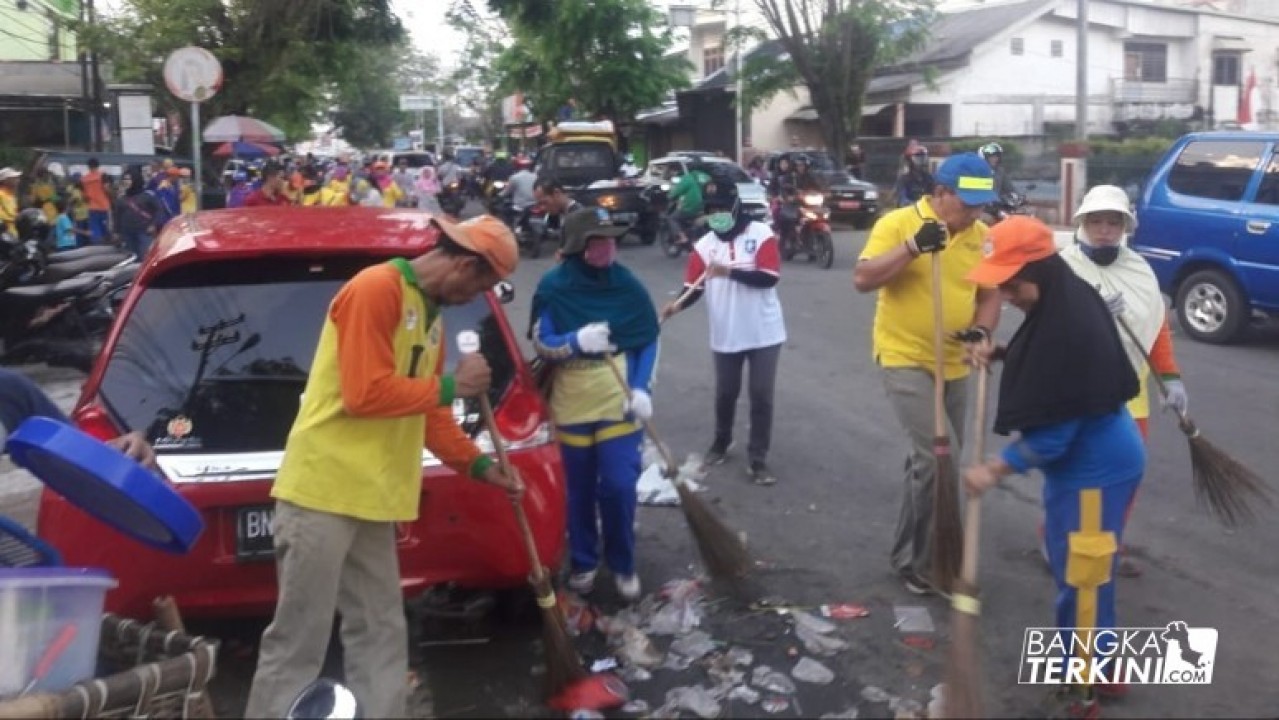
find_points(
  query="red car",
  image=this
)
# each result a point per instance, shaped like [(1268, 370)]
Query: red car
[(210, 356)]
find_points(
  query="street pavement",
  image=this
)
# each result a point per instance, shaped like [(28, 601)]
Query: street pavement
[(822, 534)]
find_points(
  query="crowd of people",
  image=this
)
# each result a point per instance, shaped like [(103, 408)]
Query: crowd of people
[(1073, 386)]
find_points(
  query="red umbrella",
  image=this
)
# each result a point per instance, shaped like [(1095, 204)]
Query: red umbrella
[(245, 149)]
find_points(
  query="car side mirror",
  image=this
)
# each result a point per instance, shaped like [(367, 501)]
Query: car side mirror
[(324, 699), (505, 292)]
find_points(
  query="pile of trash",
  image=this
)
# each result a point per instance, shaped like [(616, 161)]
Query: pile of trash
[(655, 488), (668, 632)]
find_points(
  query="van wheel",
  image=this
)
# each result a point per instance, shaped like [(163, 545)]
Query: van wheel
[(1210, 307)]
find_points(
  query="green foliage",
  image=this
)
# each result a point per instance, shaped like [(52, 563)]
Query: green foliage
[(475, 87), (834, 48), (14, 157), (281, 60), (608, 56), (1124, 162)]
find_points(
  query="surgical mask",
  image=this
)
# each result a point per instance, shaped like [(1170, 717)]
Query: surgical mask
[(600, 252), (1101, 255), (721, 222)]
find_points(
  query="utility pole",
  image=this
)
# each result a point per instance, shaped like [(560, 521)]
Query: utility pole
[(95, 115), (1081, 70), (86, 98), (741, 111)]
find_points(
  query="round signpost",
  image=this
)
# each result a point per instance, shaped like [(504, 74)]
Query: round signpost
[(195, 75)]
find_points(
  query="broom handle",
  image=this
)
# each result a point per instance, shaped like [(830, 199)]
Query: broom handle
[(499, 446), (697, 285), (939, 349), (1186, 424), (972, 508), (647, 424)]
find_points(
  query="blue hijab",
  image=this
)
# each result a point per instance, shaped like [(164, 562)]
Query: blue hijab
[(576, 294)]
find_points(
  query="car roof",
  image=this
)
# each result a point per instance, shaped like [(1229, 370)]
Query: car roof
[(1231, 135), (682, 157), (243, 232)]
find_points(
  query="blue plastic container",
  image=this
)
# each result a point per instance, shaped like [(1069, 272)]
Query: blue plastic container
[(50, 617)]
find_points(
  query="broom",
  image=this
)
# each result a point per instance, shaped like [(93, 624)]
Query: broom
[(962, 698), (697, 285), (563, 666), (722, 550), (947, 532), (1221, 483)]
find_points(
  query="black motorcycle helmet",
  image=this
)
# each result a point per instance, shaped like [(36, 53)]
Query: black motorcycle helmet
[(32, 225), (451, 199)]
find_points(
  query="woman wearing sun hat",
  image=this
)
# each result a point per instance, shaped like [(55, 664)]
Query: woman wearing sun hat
[(1101, 256), (1064, 388)]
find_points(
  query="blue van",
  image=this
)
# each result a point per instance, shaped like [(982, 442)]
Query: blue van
[(1208, 222)]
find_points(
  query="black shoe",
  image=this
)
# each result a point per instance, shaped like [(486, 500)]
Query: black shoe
[(760, 475), (717, 454), (915, 584)]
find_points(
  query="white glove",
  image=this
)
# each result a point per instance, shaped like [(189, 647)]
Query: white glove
[(592, 339), (640, 405), (1116, 304), (1177, 397)]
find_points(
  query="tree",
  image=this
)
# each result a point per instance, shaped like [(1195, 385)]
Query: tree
[(608, 56), (281, 60), (476, 84), (834, 47)]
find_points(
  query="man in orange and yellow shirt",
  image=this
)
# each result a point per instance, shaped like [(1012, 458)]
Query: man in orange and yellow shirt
[(95, 193), (352, 465)]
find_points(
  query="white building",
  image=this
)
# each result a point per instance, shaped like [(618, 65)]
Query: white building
[(1008, 69)]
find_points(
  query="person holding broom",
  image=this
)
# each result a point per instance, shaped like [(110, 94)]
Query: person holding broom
[(1065, 383), (352, 465), (896, 262), (585, 309), (1101, 256)]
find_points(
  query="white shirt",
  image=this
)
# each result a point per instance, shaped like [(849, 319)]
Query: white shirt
[(520, 188), (741, 317)]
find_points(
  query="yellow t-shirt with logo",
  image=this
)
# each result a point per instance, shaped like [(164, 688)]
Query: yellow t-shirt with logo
[(903, 333)]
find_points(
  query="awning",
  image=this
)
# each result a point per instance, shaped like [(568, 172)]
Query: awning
[(659, 116), (1231, 43), (888, 83)]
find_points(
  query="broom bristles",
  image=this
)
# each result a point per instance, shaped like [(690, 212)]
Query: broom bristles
[(563, 665), (722, 551), (1223, 485), (962, 696), (948, 530)]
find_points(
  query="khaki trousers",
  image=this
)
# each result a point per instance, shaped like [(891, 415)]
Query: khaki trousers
[(327, 563)]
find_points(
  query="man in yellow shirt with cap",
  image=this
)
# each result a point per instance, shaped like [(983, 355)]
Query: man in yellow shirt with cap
[(946, 223)]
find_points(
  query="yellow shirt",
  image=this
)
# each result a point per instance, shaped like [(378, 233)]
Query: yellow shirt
[(392, 195), (187, 193), (336, 193), (903, 334), (8, 210)]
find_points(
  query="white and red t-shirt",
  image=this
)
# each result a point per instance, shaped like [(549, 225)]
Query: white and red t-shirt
[(741, 317)]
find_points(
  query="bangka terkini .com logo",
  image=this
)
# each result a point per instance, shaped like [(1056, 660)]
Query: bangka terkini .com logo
[(1172, 655)]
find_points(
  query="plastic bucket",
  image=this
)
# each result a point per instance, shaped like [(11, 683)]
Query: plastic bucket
[(50, 621)]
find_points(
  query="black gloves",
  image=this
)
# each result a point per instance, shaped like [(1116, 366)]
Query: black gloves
[(931, 238)]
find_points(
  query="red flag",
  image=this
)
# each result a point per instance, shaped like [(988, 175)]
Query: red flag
[(1245, 99)]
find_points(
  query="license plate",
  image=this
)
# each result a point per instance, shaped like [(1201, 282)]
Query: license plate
[(253, 537), (849, 204), (623, 218)]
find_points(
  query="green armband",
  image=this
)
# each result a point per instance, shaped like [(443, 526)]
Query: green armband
[(480, 466), (448, 388)]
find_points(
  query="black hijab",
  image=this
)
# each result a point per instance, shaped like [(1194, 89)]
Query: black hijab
[(1066, 360)]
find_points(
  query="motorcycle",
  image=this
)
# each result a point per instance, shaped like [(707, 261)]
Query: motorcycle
[(493, 199), (1013, 203), (535, 229), (59, 306), (806, 221)]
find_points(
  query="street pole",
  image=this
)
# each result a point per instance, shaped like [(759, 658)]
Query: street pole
[(66, 124), (439, 127), (196, 179), (95, 115), (1081, 71), (741, 50)]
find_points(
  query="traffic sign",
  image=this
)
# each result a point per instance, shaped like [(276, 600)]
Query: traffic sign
[(192, 74), (409, 103)]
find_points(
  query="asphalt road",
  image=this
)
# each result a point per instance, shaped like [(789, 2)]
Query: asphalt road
[(824, 531)]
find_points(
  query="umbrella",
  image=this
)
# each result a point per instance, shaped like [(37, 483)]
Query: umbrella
[(237, 128), (245, 149)]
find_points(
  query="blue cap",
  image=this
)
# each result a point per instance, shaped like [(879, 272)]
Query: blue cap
[(970, 177)]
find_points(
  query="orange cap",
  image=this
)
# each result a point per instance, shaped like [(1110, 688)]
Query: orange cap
[(184, 172), (1009, 246), (174, 171), (381, 165), (487, 237)]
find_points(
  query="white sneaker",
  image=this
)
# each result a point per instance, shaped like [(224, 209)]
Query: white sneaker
[(582, 583), (628, 586)]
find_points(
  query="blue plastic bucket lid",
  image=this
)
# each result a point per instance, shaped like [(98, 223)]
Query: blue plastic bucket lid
[(106, 484), (44, 577)]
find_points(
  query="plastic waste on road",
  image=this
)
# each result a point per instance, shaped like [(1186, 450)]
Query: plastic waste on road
[(810, 671)]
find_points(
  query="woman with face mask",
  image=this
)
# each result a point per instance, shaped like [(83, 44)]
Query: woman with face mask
[(737, 265), (1064, 387), (586, 310), (1101, 256)]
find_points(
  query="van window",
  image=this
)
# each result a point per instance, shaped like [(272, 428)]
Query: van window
[(1268, 193), (1216, 169)]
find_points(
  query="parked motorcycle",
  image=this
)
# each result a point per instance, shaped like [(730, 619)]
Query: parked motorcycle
[(807, 222), (1013, 203)]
